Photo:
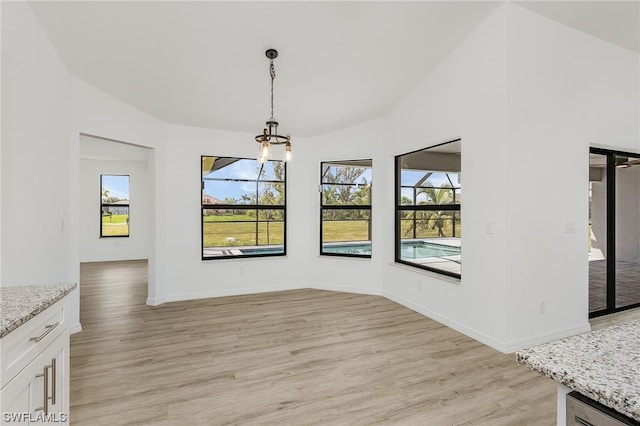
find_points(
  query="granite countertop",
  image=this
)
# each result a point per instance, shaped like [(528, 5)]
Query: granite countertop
[(21, 303), (603, 365)]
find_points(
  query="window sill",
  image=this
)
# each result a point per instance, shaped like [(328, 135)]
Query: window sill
[(442, 277)]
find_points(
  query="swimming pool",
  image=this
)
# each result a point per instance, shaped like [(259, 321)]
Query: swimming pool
[(417, 249), (423, 249), (408, 249), (262, 250), (362, 249)]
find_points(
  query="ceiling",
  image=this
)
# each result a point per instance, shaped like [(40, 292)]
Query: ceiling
[(202, 63)]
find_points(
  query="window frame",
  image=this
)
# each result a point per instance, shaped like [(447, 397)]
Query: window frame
[(114, 205), (247, 207), (400, 208), (324, 207)]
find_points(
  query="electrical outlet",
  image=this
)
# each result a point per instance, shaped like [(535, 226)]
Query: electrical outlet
[(542, 308)]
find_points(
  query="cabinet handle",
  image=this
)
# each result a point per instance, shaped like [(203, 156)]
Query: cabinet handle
[(45, 398), (579, 420), (48, 329), (53, 380)]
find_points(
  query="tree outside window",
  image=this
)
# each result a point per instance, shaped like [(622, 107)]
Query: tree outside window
[(243, 207), (345, 225), (428, 221)]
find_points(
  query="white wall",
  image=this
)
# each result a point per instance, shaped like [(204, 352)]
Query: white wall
[(523, 93), (102, 116), (36, 119), (336, 273), (567, 90), (464, 97), (136, 245), (187, 275), (527, 96)]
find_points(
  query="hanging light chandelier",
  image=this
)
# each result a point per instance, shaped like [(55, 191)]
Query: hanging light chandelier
[(269, 135)]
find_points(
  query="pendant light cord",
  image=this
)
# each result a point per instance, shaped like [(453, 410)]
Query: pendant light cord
[(272, 71)]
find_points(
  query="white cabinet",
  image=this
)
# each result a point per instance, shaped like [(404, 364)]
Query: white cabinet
[(35, 374)]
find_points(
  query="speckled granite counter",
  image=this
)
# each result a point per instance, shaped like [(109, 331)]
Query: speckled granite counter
[(21, 303), (603, 365)]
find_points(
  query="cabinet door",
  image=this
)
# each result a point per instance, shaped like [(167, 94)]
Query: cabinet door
[(48, 389), (37, 395), (15, 400)]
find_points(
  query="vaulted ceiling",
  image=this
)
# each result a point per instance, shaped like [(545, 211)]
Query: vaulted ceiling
[(341, 63)]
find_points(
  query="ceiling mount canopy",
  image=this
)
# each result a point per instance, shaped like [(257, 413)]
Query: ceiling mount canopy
[(269, 135)]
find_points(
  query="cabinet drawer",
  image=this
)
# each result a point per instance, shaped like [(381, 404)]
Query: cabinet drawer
[(24, 343), (582, 411)]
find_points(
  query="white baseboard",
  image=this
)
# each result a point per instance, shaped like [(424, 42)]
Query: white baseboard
[(220, 293), (346, 289), (529, 341), (114, 259), (75, 328), (455, 325), (502, 346)]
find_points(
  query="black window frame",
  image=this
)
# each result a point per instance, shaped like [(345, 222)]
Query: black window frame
[(246, 207), (327, 207), (104, 205), (400, 208), (611, 271)]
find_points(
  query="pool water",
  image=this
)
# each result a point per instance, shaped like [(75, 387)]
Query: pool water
[(346, 248), (421, 249), (408, 249), (263, 250)]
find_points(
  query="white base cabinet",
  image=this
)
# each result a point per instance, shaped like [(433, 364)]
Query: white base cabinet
[(39, 392)]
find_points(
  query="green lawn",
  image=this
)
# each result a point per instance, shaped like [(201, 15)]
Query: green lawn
[(115, 225), (345, 230), (217, 232)]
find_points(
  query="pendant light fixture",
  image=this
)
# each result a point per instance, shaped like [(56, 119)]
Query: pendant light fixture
[(270, 134)]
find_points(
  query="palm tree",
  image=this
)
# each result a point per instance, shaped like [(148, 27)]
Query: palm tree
[(431, 219)]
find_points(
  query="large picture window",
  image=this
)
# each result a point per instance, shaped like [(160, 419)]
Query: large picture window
[(345, 208), (114, 206), (243, 208), (428, 196)]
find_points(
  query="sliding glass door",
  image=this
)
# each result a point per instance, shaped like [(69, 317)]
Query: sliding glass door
[(614, 227)]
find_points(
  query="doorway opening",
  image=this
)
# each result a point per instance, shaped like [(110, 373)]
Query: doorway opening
[(614, 231)]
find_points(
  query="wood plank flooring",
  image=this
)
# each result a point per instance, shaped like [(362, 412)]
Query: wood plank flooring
[(302, 357)]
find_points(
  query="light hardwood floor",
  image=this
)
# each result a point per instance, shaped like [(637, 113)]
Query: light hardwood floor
[(302, 357)]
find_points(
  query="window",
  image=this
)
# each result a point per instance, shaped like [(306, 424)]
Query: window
[(345, 208), (428, 226), (243, 208), (114, 207)]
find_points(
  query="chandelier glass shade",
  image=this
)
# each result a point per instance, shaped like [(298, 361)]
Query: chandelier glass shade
[(269, 135)]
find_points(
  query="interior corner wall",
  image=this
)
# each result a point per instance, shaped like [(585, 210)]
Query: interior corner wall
[(136, 245), (355, 275), (567, 91), (36, 124), (464, 97), (188, 276), (99, 114)]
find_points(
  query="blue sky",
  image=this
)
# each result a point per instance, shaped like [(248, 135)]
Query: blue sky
[(118, 186), (241, 169)]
